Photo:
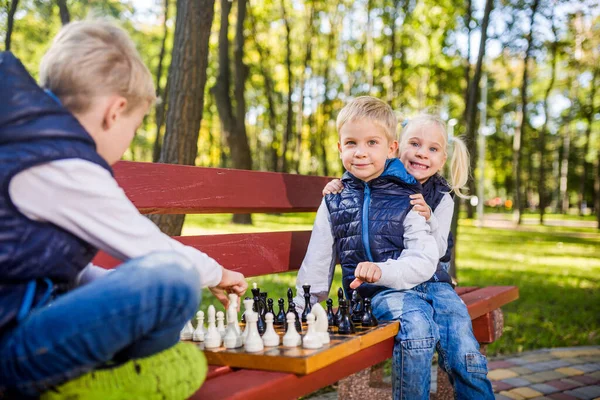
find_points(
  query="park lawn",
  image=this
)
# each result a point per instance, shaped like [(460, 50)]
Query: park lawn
[(557, 270)]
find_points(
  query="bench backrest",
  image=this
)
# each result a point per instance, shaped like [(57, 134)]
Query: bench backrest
[(176, 189)]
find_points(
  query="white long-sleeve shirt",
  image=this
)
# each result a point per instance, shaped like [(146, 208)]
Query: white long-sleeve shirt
[(440, 222), (84, 199), (417, 262)]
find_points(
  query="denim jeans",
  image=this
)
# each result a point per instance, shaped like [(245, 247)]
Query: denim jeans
[(133, 312), (432, 316)]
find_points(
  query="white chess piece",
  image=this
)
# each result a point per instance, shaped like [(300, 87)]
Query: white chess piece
[(291, 338), (311, 339), (200, 331), (187, 332), (233, 337), (270, 337), (321, 323), (212, 339), (232, 312), (253, 342), (221, 323), (248, 303)]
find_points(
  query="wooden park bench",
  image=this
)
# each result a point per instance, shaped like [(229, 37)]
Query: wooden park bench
[(175, 189)]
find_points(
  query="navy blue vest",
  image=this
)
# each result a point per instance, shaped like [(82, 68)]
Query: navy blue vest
[(367, 220), (35, 256)]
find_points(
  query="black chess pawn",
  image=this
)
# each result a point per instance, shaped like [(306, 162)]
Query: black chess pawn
[(330, 315), (270, 307), (307, 306), (280, 318), (368, 318), (244, 314), (357, 307), (338, 314), (345, 326)]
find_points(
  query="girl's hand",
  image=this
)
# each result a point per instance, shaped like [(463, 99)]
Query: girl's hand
[(335, 187), (365, 272), (419, 205)]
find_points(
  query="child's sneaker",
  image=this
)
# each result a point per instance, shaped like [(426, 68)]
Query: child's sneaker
[(175, 373)]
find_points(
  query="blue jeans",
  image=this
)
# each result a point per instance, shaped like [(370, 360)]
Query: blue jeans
[(133, 312), (432, 316)]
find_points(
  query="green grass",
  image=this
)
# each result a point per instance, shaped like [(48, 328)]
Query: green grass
[(557, 270)]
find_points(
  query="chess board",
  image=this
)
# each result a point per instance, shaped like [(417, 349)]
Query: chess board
[(299, 360)]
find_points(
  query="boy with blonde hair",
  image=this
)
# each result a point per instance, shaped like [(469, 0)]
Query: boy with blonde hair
[(61, 317)]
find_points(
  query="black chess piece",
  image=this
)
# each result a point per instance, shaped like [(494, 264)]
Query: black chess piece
[(263, 301), (270, 308), (338, 314), (298, 323), (307, 306), (357, 307), (257, 308), (330, 315), (345, 326), (244, 314), (260, 306), (368, 318), (280, 318)]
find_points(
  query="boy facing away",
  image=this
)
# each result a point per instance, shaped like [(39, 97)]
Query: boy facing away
[(60, 316), (387, 254)]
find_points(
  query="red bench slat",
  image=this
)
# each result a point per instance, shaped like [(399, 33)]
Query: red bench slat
[(484, 300), (178, 189)]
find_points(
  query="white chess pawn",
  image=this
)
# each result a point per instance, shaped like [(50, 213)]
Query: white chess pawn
[(253, 342), (200, 331), (248, 303), (311, 339), (291, 338), (321, 323), (212, 339), (221, 323), (187, 332), (270, 337), (233, 338)]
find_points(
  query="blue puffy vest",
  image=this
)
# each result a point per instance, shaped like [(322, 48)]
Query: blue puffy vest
[(367, 220), (35, 256)]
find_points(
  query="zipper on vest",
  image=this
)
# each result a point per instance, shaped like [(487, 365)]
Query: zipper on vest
[(365, 221)]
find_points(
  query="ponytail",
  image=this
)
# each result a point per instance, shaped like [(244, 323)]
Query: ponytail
[(459, 166)]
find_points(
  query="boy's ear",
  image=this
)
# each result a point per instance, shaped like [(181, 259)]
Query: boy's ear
[(393, 149), (340, 149), (114, 109)]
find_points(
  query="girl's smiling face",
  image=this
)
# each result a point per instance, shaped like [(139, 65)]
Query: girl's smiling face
[(423, 151)]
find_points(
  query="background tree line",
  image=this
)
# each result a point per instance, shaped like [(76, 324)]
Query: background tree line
[(257, 84)]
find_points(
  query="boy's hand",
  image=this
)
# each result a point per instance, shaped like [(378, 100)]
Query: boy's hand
[(420, 206), (231, 282), (365, 271), (335, 186)]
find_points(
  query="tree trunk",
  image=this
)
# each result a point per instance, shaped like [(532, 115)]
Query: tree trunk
[(521, 137), (187, 75), (597, 189), (564, 171), (65, 16), (162, 99), (283, 166), (10, 21), (589, 113), (470, 115)]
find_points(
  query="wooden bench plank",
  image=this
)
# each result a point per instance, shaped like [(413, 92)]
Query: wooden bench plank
[(178, 189), (484, 300)]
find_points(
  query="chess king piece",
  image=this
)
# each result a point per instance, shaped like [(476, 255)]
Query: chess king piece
[(321, 323), (270, 338), (212, 339), (280, 318), (345, 326), (200, 331), (187, 332), (311, 340), (307, 306), (221, 323), (357, 307), (291, 338), (368, 318), (253, 343), (331, 321)]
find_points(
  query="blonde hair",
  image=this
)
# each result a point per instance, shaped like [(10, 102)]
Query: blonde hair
[(372, 109), (94, 58), (459, 163)]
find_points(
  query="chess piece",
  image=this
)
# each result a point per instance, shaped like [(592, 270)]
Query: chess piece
[(368, 318), (270, 338), (220, 323), (200, 331), (357, 307), (280, 318), (233, 335), (338, 314), (232, 313), (345, 326), (244, 314), (291, 338), (253, 342), (259, 304), (307, 306), (321, 323), (257, 308), (248, 303), (187, 332), (330, 315), (311, 339), (212, 339), (263, 302), (297, 320)]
